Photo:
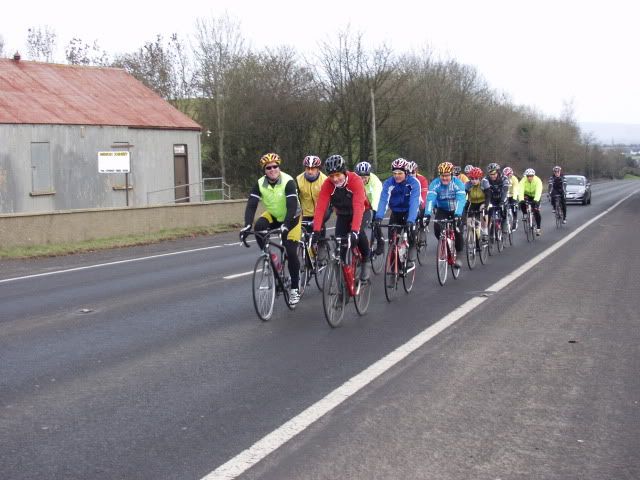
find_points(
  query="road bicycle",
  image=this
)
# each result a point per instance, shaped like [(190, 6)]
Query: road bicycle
[(397, 264), (313, 263), (475, 245), (496, 239), (270, 274), (528, 222), (509, 220), (341, 282), (557, 209), (446, 250)]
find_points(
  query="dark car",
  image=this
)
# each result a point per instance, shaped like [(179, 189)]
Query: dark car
[(578, 189)]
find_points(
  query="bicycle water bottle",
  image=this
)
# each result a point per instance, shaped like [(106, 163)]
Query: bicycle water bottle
[(276, 261), (348, 273)]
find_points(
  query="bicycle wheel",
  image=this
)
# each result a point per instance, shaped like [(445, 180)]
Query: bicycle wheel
[(264, 288), (532, 228), (363, 294), (377, 261), (470, 247), (492, 237), (455, 271), (305, 268), (333, 294), (442, 263), (527, 228), (421, 246), (509, 224), (499, 238), (391, 273), (409, 275), (483, 247), (320, 263), (286, 283)]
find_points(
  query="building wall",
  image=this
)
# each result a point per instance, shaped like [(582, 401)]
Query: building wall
[(73, 151), (29, 229)]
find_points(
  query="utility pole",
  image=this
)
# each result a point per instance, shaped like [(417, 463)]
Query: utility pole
[(373, 129)]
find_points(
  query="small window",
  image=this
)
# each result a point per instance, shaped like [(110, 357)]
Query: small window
[(40, 168)]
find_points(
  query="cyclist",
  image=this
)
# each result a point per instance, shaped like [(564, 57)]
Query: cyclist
[(512, 196), (401, 193), (531, 189), (309, 183), (558, 187), (373, 189), (279, 195), (498, 191), (478, 196), (345, 191), (424, 186), (457, 172), (447, 193), (467, 170)]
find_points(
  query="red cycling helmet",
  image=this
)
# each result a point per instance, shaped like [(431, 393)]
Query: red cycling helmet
[(476, 173)]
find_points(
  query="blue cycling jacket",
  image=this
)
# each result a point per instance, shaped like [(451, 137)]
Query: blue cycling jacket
[(401, 197), (446, 197)]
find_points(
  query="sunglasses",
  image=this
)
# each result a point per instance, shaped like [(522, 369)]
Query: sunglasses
[(272, 167)]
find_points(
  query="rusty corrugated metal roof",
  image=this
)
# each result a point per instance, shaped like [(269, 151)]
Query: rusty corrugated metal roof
[(47, 93)]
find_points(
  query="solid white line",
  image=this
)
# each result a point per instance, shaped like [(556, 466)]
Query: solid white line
[(88, 267), (271, 442), (236, 275)]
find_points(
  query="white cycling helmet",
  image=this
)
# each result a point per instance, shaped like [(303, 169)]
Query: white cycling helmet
[(529, 172)]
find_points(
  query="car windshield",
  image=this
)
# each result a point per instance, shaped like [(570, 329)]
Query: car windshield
[(575, 181)]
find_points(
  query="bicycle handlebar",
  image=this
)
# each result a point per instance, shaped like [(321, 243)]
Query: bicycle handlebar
[(264, 233)]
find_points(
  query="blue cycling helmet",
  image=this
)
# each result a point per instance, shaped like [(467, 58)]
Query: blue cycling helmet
[(363, 169)]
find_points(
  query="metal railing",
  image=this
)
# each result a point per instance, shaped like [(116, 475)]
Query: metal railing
[(217, 187), (211, 188)]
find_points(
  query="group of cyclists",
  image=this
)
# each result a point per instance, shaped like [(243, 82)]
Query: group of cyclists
[(359, 198)]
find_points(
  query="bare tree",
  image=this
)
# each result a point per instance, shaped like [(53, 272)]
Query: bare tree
[(78, 52), (219, 50), (41, 43)]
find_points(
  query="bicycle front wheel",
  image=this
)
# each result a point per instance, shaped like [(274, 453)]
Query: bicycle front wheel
[(470, 247), (499, 238), (483, 247), (377, 261), (391, 273), (305, 268), (442, 262), (421, 246), (409, 276), (333, 294), (320, 264), (264, 288), (527, 229), (492, 237), (363, 295)]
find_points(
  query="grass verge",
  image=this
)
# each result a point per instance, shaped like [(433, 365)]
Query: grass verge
[(54, 250), (629, 176)]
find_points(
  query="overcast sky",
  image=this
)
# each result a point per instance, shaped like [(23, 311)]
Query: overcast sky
[(542, 53)]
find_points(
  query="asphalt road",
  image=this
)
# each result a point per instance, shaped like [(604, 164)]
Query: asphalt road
[(169, 373)]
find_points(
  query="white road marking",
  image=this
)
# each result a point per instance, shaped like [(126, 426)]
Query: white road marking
[(272, 441), (236, 275), (89, 267)]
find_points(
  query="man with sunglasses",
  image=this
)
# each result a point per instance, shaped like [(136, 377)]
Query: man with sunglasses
[(531, 190), (309, 183), (447, 194), (345, 192), (279, 195)]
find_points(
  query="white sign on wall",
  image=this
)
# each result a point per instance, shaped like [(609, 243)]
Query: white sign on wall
[(114, 162)]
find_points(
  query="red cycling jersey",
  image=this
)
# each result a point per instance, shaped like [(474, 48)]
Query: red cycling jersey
[(350, 199)]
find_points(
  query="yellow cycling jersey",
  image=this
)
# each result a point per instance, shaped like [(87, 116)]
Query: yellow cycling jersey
[(531, 188), (308, 193), (476, 194), (514, 189)]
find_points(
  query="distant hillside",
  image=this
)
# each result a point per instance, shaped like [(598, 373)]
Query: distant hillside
[(618, 133)]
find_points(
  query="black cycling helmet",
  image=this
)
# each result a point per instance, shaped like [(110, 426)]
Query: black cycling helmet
[(335, 163)]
